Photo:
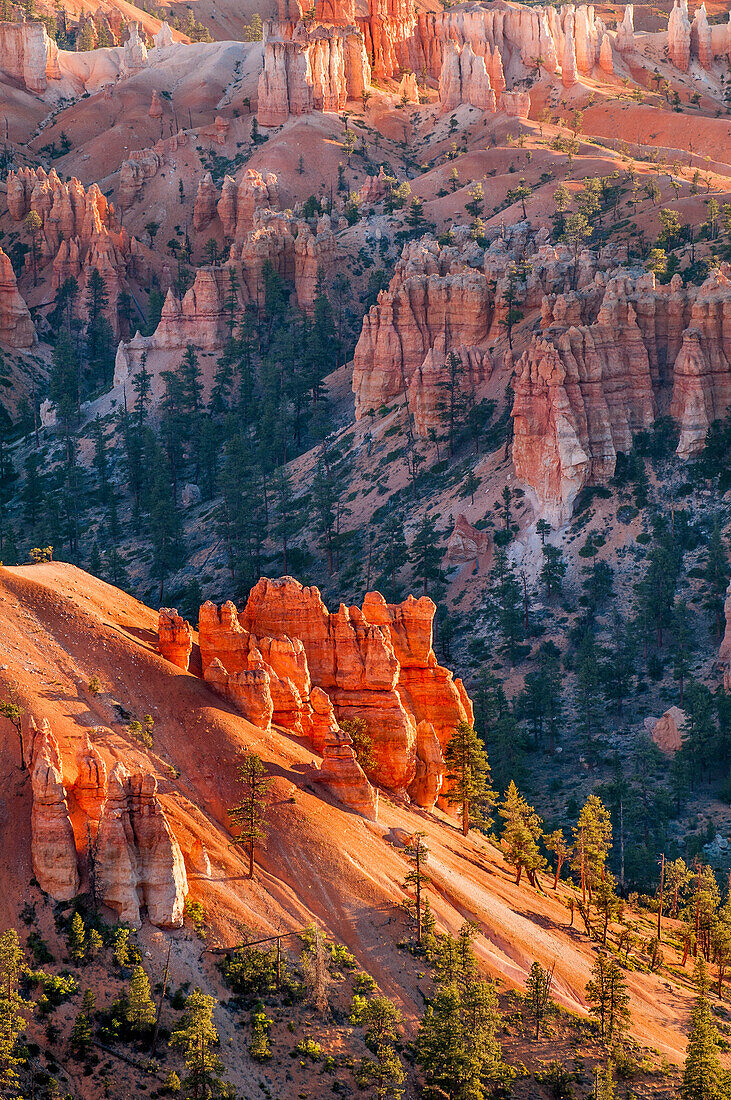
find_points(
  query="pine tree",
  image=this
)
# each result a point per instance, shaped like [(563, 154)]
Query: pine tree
[(425, 555), (418, 855), (468, 775), (607, 996), (703, 1076), (77, 938), (556, 842), (140, 1008), (505, 603), (12, 1008), (198, 1037), (383, 1072), (554, 569), (605, 1089), (81, 1032), (592, 844), (521, 833), (249, 815), (538, 993)]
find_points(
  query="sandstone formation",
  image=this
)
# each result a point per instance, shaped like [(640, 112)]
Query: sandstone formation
[(134, 56), (582, 391), (155, 105), (679, 36), (90, 787), (53, 847), (139, 862), (667, 731), (343, 776), (427, 782), (174, 637), (428, 300), (466, 543), (27, 54), (164, 37), (606, 57), (464, 79), (79, 232), (310, 67), (16, 327), (376, 664)]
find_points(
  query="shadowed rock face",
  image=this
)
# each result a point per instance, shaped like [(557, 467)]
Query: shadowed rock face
[(52, 836), (139, 862), (376, 664), (583, 390), (16, 327), (724, 654)]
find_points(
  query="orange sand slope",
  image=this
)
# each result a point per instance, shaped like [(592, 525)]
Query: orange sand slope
[(59, 626)]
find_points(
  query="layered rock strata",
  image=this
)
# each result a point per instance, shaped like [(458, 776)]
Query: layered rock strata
[(583, 390), (16, 327), (376, 664), (53, 848), (174, 637), (341, 774), (139, 862)]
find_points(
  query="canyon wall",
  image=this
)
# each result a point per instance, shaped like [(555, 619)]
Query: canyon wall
[(319, 64), (583, 389)]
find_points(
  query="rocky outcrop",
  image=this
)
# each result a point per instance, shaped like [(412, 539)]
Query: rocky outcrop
[(204, 209), (582, 391), (341, 774), (155, 105), (174, 637), (240, 203), (724, 653), (466, 543), (16, 327), (431, 303), (53, 848), (307, 68), (90, 787), (606, 55), (430, 767), (79, 232), (164, 37), (679, 36), (375, 664), (626, 31), (464, 79), (139, 862), (134, 54), (667, 731), (569, 68), (248, 690), (142, 165), (700, 38), (27, 54)]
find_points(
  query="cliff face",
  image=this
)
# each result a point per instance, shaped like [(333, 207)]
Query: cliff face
[(375, 664), (139, 861), (52, 837), (27, 54), (79, 232), (306, 68), (432, 302), (16, 327), (583, 390)]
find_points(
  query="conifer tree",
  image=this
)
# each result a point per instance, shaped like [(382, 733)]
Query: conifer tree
[(556, 842), (249, 816), (521, 833), (383, 1072), (538, 993), (505, 603), (605, 1088), (81, 1032), (418, 855), (77, 938), (198, 1038), (140, 1008), (592, 844), (607, 996), (12, 1008), (703, 1076), (426, 556), (468, 775)]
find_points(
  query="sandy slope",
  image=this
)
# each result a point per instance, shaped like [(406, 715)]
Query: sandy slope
[(59, 625)]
